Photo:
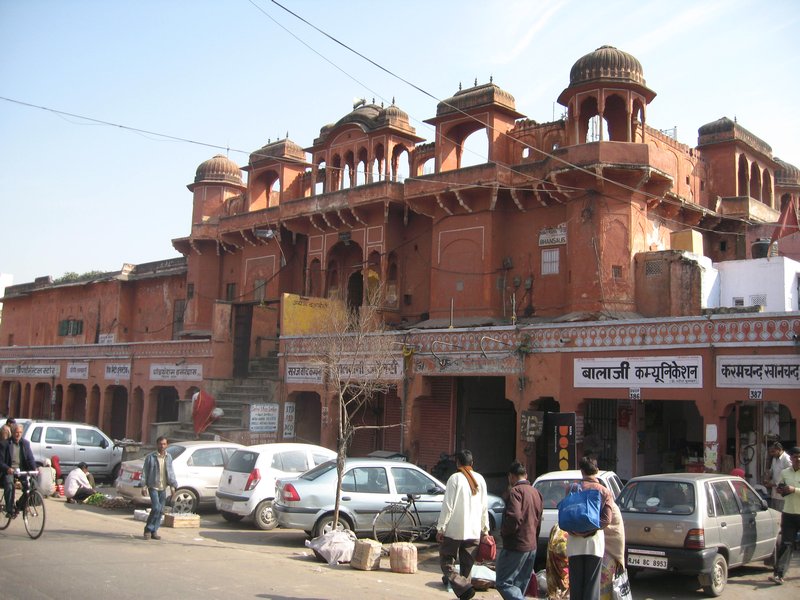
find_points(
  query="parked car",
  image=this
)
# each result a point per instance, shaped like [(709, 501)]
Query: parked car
[(198, 466), (695, 523), (553, 487), (307, 502), (247, 485), (74, 443)]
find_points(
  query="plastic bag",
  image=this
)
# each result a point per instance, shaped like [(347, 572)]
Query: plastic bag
[(334, 547), (622, 587), (579, 512)]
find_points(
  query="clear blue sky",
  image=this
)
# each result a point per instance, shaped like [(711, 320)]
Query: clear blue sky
[(78, 196)]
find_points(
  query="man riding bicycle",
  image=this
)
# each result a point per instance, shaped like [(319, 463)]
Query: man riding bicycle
[(15, 455)]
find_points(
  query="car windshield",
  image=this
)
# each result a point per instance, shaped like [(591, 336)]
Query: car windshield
[(318, 470), (661, 497), (175, 450)]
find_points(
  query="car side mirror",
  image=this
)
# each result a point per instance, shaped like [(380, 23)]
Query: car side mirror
[(435, 490), (103, 444)]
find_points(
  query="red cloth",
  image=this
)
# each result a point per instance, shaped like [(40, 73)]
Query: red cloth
[(55, 461), (203, 404)]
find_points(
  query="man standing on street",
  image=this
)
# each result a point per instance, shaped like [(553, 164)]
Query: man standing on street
[(16, 454), (585, 549), (522, 520), (780, 461), (789, 489), (464, 520), (158, 475)]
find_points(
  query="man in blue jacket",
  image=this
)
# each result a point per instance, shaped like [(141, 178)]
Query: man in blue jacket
[(158, 476), (15, 454), (522, 520)]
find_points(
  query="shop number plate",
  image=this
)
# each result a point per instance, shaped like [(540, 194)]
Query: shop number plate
[(651, 562)]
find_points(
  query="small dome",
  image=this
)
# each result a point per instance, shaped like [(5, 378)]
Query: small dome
[(786, 174), (606, 63), (219, 168), (478, 95), (284, 148), (719, 126)]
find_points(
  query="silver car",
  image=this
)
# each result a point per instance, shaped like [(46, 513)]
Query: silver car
[(368, 484), (696, 523), (198, 466)]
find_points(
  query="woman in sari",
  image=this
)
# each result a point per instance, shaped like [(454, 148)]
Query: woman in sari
[(557, 565)]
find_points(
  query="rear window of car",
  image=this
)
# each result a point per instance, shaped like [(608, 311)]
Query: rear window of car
[(318, 470), (290, 461), (553, 491), (243, 461), (660, 497), (176, 450)]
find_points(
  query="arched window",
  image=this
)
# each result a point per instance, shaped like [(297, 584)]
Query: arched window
[(616, 120), (362, 168), (589, 122), (336, 173), (400, 167), (475, 148), (333, 280), (743, 177), (319, 184), (755, 181), (275, 192), (766, 190)]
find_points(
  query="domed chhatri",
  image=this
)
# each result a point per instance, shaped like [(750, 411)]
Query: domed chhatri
[(219, 169), (606, 63), (787, 174)]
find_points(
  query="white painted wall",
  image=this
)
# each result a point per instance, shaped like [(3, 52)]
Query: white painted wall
[(775, 277)]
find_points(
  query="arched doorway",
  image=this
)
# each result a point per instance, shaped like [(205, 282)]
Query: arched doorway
[(307, 417), (115, 411), (166, 404), (75, 409)]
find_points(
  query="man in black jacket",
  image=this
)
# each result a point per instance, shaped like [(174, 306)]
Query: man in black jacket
[(522, 520), (15, 454)]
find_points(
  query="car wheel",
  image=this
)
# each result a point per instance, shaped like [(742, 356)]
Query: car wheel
[(231, 517), (714, 582), (264, 516), (325, 524), (184, 501)]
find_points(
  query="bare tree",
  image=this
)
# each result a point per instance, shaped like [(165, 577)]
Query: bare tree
[(359, 361)]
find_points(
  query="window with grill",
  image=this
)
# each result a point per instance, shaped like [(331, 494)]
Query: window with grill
[(653, 268), (758, 300), (69, 327), (550, 258)]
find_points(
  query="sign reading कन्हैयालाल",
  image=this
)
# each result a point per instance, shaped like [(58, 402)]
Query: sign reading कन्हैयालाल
[(172, 372), (655, 372), (759, 372)]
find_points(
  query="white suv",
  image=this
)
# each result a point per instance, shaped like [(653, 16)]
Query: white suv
[(247, 485), (74, 443)]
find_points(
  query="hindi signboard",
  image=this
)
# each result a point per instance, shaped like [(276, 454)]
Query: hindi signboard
[(172, 372), (78, 370), (655, 372), (34, 371), (759, 372), (553, 236)]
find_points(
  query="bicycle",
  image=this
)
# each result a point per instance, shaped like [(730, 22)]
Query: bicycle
[(30, 504), (400, 522)]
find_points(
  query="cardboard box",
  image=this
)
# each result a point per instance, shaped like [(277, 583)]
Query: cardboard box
[(189, 520)]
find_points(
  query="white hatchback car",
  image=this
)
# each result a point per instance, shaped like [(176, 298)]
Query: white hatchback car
[(247, 485), (198, 466), (553, 487)]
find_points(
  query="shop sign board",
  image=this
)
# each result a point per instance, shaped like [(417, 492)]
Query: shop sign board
[(655, 372), (759, 372)]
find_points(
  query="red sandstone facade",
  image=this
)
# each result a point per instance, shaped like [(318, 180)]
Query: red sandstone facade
[(532, 282)]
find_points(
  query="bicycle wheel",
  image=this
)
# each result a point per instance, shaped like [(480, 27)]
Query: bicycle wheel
[(34, 515), (4, 520), (394, 524)]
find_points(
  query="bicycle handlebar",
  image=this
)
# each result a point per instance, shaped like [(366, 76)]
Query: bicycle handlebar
[(17, 473)]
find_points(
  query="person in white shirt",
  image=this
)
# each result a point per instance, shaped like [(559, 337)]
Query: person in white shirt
[(77, 486), (463, 522), (780, 461)]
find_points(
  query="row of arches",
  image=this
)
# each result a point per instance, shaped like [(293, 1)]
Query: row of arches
[(111, 408), (754, 181)]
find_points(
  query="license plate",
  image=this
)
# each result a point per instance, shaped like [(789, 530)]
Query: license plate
[(650, 562), (226, 505)]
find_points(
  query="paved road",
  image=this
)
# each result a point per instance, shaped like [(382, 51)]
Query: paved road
[(88, 552)]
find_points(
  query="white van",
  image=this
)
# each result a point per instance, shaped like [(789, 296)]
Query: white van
[(74, 443)]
